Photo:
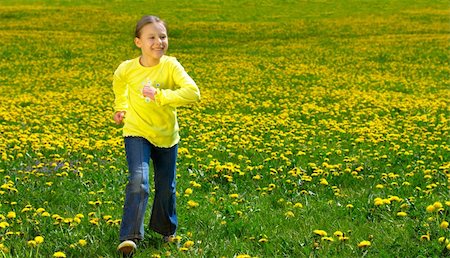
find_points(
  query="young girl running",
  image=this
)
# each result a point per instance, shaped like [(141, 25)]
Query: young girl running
[(147, 90)]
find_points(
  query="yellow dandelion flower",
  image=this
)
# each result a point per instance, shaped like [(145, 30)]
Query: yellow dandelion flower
[(338, 233), (4, 224), (298, 205), (430, 208), (320, 232), (243, 256), (443, 240), (188, 191), (94, 221), (39, 240), (350, 206), (425, 237), (188, 244), (438, 205), (257, 177), (379, 186), (11, 215), (343, 238), (289, 214), (444, 224), (323, 181), (364, 244), (448, 247), (263, 240), (3, 248), (82, 242), (192, 204), (32, 243), (183, 249), (235, 195), (402, 214), (59, 255)]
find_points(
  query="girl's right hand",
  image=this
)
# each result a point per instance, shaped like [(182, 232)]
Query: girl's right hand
[(118, 117)]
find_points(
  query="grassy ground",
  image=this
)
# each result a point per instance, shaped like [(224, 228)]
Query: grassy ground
[(322, 130)]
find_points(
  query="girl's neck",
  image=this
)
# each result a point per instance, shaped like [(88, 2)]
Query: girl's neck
[(146, 62)]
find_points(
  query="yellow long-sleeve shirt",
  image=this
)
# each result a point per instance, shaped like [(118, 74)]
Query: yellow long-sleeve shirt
[(154, 120)]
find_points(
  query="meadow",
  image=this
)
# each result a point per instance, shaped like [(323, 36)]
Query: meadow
[(323, 129)]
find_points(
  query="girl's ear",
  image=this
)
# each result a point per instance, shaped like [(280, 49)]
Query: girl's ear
[(137, 42)]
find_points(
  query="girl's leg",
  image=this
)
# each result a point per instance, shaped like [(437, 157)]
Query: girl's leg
[(137, 190), (164, 218)]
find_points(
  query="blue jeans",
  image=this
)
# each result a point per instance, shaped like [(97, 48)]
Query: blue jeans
[(163, 218)]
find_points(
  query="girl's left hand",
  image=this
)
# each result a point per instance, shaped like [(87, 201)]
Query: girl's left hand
[(149, 92)]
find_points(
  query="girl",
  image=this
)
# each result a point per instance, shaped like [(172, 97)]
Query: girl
[(147, 90)]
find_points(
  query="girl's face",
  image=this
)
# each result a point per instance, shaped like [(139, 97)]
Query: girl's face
[(153, 42)]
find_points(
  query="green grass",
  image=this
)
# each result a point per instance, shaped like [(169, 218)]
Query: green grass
[(310, 111)]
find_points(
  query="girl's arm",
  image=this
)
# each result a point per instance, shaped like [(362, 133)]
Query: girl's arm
[(120, 90), (186, 93)]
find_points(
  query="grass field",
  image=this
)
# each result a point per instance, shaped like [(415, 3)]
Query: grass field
[(323, 129)]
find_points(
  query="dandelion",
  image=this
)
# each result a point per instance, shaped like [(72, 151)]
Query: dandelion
[(364, 244), (289, 214), (444, 224), (243, 256), (11, 215), (323, 181), (425, 237), (188, 191), (39, 240), (4, 224), (443, 240), (257, 177), (40, 210), (192, 204), (402, 214), (3, 248), (430, 208), (349, 206), (298, 205), (320, 232), (438, 205), (338, 233), (94, 221), (188, 244), (235, 195), (82, 242), (59, 255), (263, 240), (32, 243), (343, 238)]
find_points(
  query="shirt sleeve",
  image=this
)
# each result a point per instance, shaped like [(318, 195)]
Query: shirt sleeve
[(120, 89), (185, 92)]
